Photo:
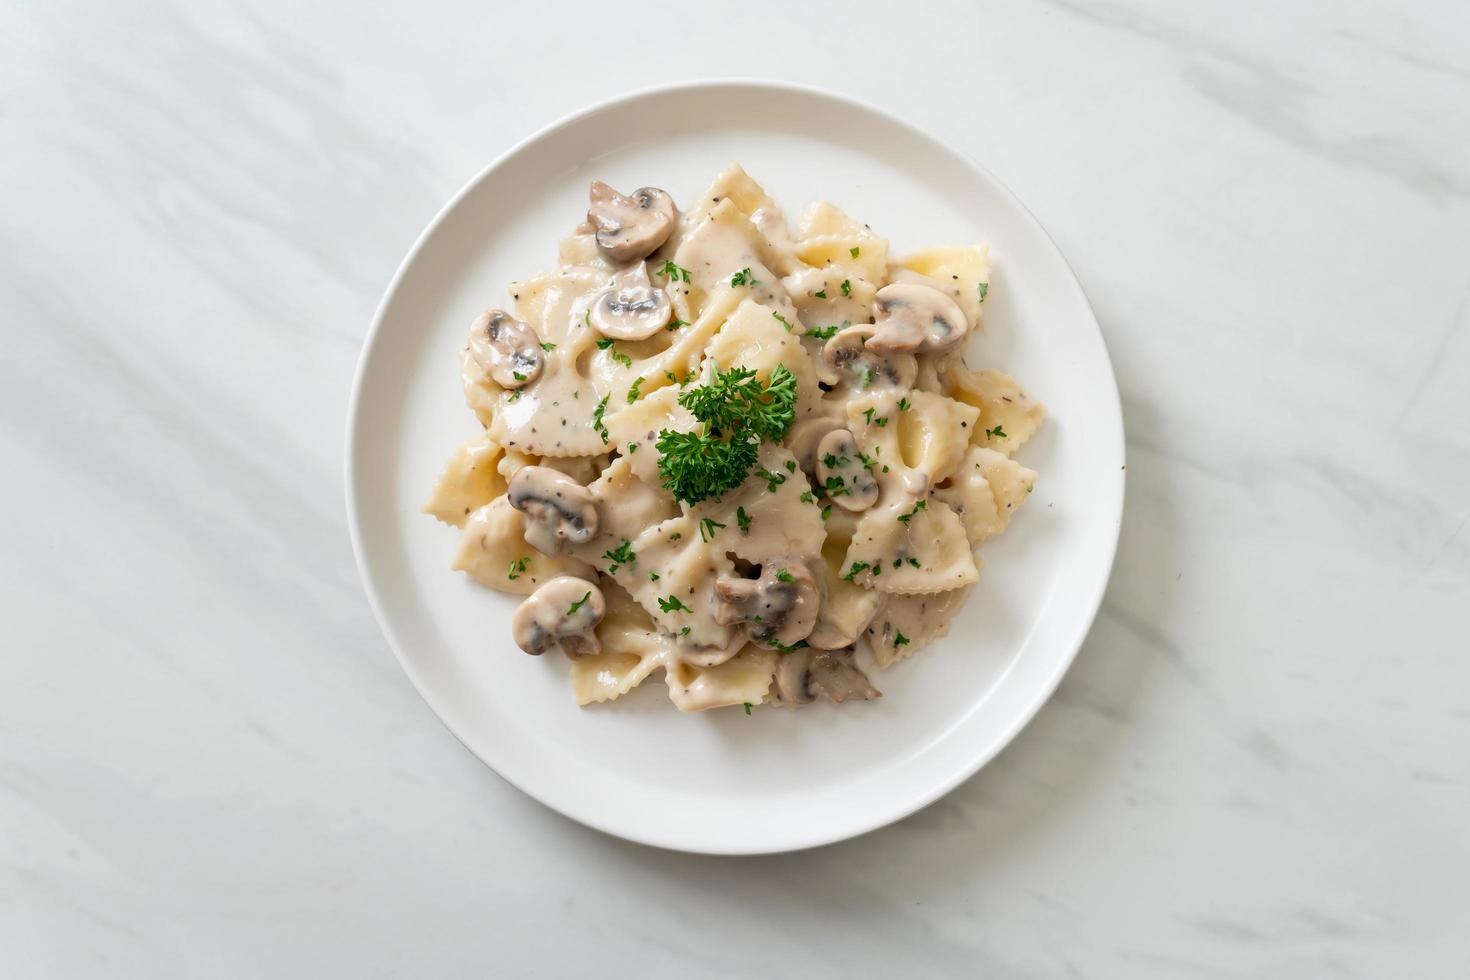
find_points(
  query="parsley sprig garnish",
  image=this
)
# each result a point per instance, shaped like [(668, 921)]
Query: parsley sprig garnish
[(738, 412)]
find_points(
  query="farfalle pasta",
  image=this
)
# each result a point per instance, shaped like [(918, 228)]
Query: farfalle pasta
[(745, 455)]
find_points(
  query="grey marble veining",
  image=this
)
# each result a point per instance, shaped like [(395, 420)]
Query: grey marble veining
[(210, 764)]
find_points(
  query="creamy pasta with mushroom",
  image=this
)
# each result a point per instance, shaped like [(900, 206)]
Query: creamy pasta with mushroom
[(745, 454)]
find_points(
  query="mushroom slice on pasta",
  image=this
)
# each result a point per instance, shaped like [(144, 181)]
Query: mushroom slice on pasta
[(493, 551), (961, 271), (632, 648)]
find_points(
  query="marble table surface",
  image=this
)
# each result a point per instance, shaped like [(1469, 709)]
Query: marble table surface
[(211, 765)]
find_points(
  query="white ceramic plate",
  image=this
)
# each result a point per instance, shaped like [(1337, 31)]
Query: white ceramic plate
[(724, 782)]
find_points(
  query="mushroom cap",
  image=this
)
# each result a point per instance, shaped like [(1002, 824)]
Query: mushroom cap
[(631, 307), (837, 456), (805, 435), (507, 349), (909, 316), (847, 359), (781, 606), (563, 612), (558, 509), (632, 227)]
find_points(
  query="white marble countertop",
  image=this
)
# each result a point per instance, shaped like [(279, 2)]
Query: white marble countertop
[(210, 764)]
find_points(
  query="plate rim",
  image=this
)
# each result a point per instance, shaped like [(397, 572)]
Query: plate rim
[(880, 817)]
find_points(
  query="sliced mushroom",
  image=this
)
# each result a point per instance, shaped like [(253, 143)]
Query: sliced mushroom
[(910, 316), (802, 675), (846, 360), (805, 435), (781, 605), (507, 349), (842, 473), (631, 307), (563, 612), (630, 228), (558, 509), (834, 674)]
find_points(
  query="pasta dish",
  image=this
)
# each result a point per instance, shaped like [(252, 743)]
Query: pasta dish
[(746, 454)]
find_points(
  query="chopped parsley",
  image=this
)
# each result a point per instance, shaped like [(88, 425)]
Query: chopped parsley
[(603, 343), (742, 278), (597, 418), (633, 391), (673, 604), (807, 498), (899, 639), (653, 576), (904, 404), (881, 421), (707, 528), (913, 561), (518, 567), (868, 414), (672, 272), (853, 570), (854, 251), (632, 448), (995, 433), (827, 332), (826, 512), (747, 707), (622, 359), (864, 373), (905, 518), (579, 603), (548, 346), (773, 478), (515, 396), (676, 324), (518, 375), (742, 519), (821, 293), (791, 466), (619, 556), (780, 647), (784, 322), (684, 631), (834, 487), (847, 285), (782, 575), (983, 287)]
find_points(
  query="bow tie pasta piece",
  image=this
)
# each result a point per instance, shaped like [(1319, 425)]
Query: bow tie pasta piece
[(743, 679), (627, 507), (847, 608), (1008, 416), (674, 580), (493, 551), (986, 490), (725, 249), (826, 296), (469, 481), (765, 517), (911, 448), (734, 188), (962, 272), (553, 303), (481, 395), (909, 623), (926, 553), (856, 257), (821, 219), (632, 648)]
